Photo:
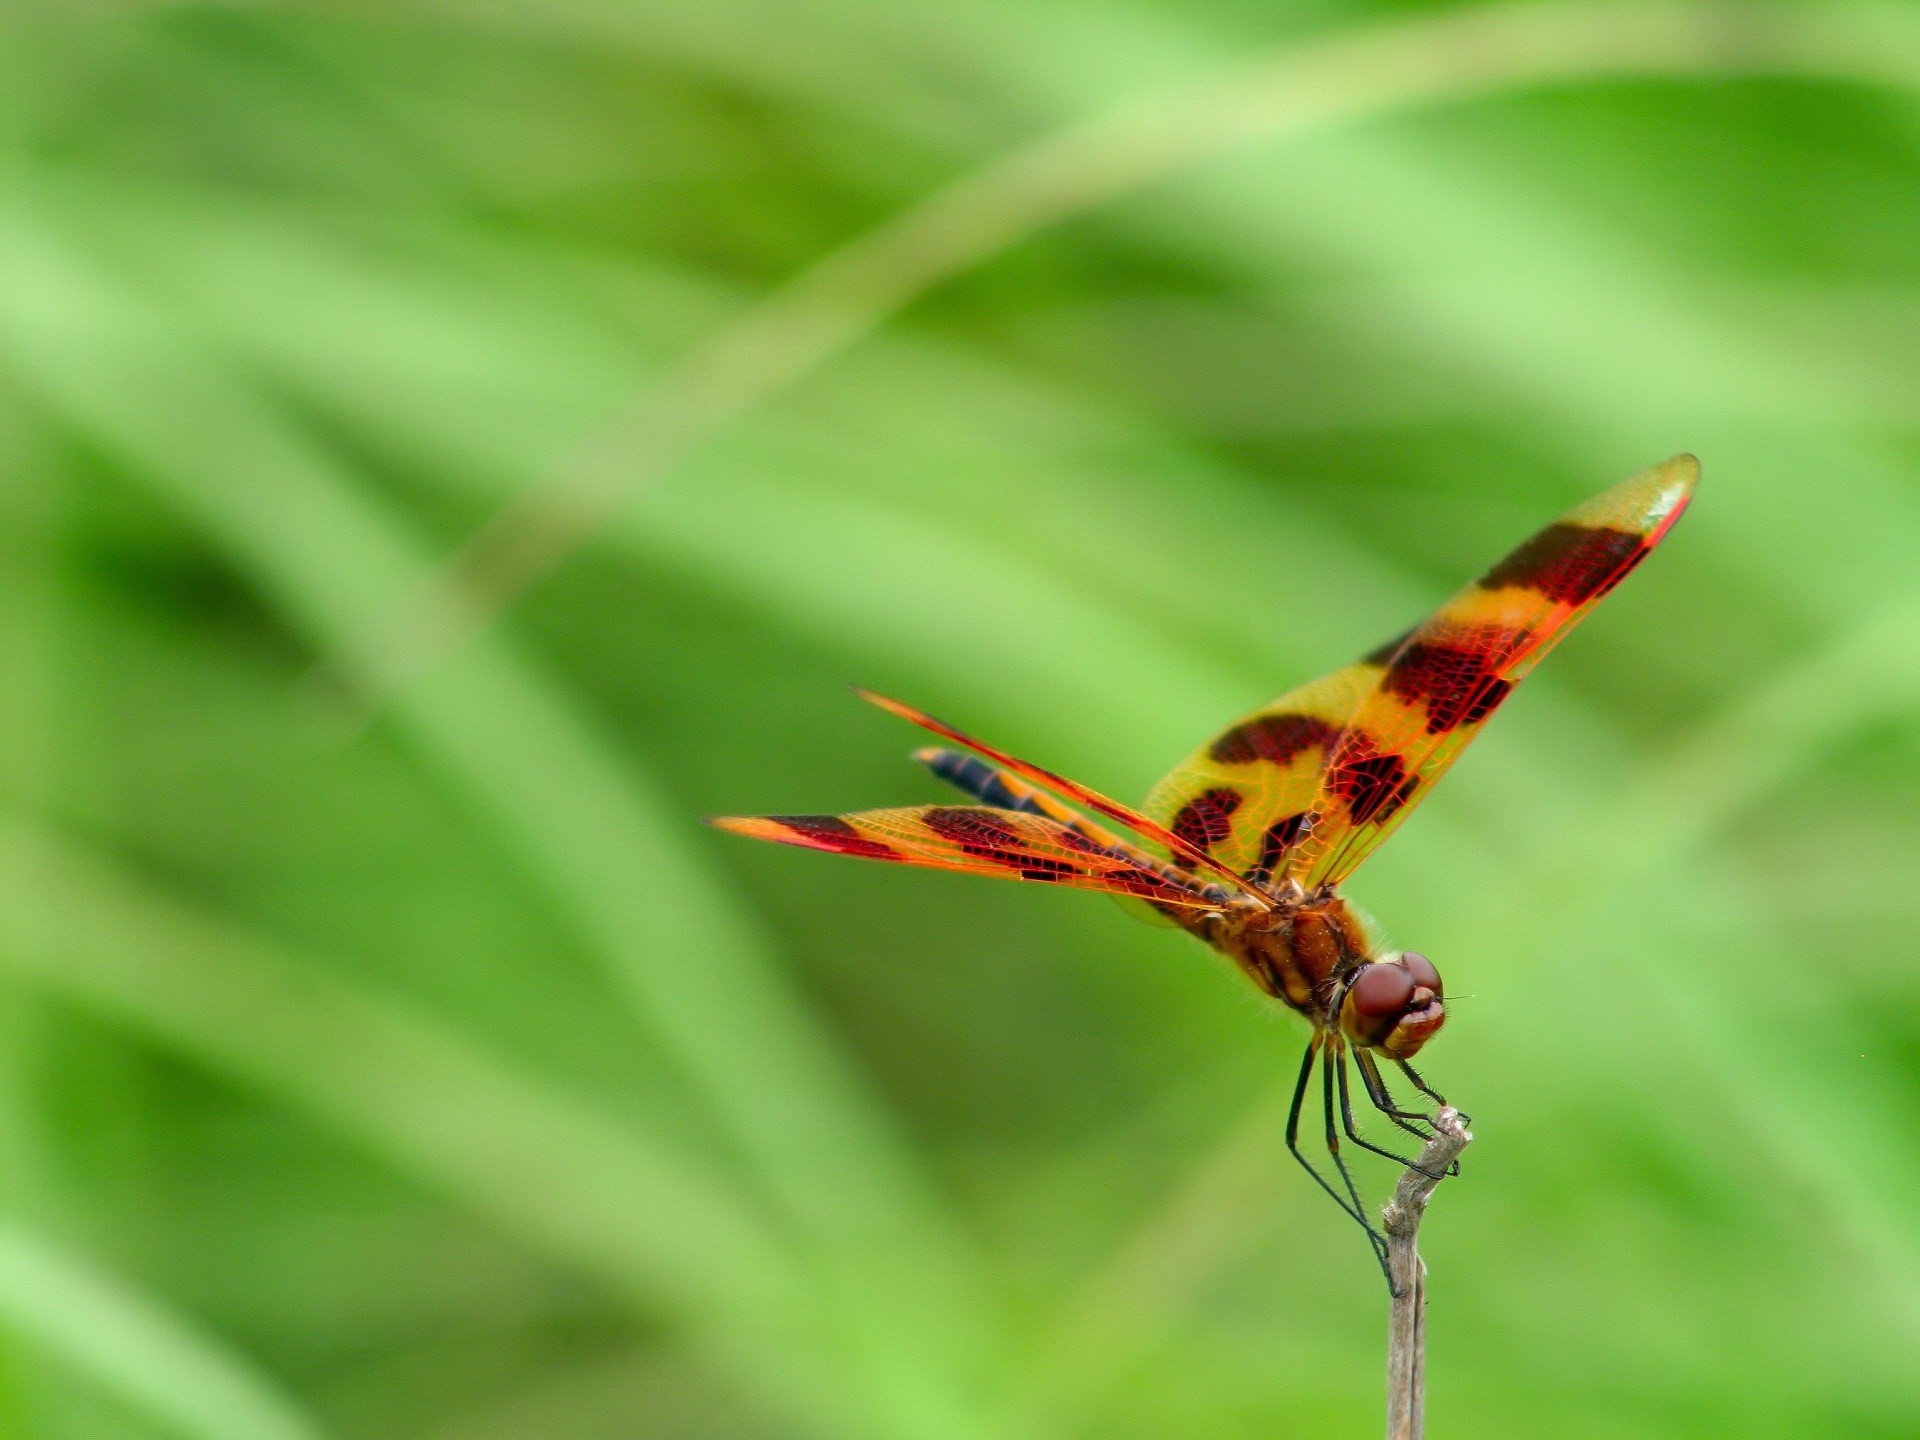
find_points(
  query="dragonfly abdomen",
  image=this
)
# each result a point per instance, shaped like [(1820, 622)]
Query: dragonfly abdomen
[(986, 783)]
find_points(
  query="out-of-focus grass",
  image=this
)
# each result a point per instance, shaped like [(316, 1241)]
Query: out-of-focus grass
[(417, 1066)]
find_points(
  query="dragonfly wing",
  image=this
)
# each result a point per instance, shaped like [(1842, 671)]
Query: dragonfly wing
[(1307, 786), (1245, 795), (977, 840), (1437, 685), (998, 788), (1005, 791), (1187, 855)]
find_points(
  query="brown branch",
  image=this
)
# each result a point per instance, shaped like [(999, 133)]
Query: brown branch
[(1407, 1328)]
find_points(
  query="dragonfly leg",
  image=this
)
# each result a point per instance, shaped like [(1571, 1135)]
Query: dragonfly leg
[(1351, 1208), (1383, 1100), (1428, 1091), (1353, 1133), (1374, 1237), (1411, 1121), (1293, 1131)]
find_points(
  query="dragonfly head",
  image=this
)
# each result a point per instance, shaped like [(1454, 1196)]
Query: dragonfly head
[(1394, 1004)]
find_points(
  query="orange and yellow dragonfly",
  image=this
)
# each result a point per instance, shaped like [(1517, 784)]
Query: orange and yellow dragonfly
[(1246, 843)]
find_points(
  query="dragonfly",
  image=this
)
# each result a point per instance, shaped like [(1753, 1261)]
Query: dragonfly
[(1246, 843)]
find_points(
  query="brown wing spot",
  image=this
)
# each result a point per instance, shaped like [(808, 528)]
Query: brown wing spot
[(1136, 879), (1382, 654), (1273, 738), (1483, 702), (1150, 888), (1569, 564), (1074, 840), (987, 838), (1207, 819), (1275, 841), (1455, 683), (830, 832), (1374, 783), (967, 828)]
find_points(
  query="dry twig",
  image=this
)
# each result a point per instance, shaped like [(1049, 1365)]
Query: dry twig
[(1407, 1328)]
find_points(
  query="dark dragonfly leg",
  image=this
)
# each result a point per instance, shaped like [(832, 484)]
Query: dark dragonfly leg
[(1293, 1133), (1374, 1237), (1383, 1101), (1428, 1091), (1353, 1134), (1350, 1208), (1412, 1121)]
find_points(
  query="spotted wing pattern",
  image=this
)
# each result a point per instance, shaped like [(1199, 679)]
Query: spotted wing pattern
[(993, 786), (1443, 680), (979, 840), (1187, 855), (1308, 787), (1246, 795)]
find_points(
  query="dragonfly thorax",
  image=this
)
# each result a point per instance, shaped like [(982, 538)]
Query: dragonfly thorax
[(1313, 953)]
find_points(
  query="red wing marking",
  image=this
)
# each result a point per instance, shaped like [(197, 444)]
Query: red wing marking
[(995, 787), (1440, 682), (1306, 787), (1147, 828), (1244, 796), (978, 840), (1301, 791)]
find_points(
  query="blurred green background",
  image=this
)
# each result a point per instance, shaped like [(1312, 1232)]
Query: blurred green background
[(386, 1050)]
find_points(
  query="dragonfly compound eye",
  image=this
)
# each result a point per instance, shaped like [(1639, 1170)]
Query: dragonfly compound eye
[(1421, 968), (1382, 990)]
